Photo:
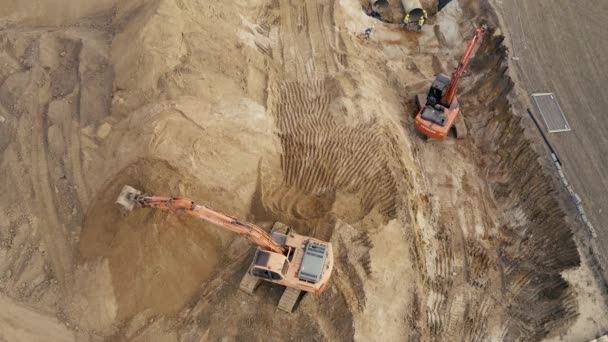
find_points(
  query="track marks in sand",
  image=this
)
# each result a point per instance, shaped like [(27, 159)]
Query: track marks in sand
[(459, 260), (42, 99), (479, 264), (321, 156), (32, 150), (310, 42)]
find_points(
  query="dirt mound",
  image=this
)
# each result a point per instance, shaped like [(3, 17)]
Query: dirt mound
[(149, 44), (174, 153), (57, 88)]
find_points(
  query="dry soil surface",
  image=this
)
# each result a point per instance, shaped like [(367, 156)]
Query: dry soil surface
[(268, 110)]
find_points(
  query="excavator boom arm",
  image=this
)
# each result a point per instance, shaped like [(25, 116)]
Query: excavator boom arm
[(450, 92), (252, 232)]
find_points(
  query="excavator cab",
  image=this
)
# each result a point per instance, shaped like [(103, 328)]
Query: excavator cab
[(305, 266), (432, 111), (437, 88), (438, 115), (269, 266)]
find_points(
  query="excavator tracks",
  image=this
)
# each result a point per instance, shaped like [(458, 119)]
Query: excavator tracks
[(289, 299), (249, 283)]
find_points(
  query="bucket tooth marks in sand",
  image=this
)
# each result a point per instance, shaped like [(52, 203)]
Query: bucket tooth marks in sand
[(554, 299), (320, 156), (479, 264), (266, 32)]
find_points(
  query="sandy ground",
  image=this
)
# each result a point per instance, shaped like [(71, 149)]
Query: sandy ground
[(269, 110), (20, 323)]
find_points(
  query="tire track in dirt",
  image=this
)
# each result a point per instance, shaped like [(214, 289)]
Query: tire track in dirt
[(32, 141), (457, 311), (25, 98), (43, 99), (55, 234)]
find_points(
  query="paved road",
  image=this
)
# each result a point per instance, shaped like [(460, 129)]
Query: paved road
[(562, 46)]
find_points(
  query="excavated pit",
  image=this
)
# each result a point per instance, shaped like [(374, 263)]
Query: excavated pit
[(536, 242)]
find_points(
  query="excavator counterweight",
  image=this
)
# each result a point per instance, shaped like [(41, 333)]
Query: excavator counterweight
[(300, 263)]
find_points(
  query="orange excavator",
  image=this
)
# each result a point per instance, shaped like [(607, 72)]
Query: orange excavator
[(439, 111), (297, 262)]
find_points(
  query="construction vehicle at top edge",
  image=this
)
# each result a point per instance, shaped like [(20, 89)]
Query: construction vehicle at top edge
[(439, 111), (299, 263)]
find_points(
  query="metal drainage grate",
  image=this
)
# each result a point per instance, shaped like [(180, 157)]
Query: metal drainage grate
[(552, 114)]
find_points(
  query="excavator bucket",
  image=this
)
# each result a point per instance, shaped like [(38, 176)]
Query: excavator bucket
[(126, 197)]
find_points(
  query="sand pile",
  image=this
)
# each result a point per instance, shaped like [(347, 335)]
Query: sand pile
[(210, 151), (81, 93)]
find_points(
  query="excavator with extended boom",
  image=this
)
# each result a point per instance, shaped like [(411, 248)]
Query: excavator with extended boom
[(299, 263), (439, 111)]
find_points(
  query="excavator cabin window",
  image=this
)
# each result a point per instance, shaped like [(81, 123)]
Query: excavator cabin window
[(265, 274), (434, 96)]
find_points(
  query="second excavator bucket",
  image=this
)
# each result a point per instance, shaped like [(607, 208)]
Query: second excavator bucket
[(127, 197)]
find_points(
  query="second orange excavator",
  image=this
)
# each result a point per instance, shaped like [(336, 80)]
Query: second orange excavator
[(439, 111), (299, 263)]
